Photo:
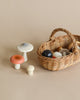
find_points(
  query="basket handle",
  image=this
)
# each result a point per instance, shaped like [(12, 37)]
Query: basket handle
[(68, 33)]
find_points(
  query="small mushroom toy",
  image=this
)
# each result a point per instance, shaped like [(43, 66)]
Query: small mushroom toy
[(17, 60), (64, 51), (30, 70), (71, 45), (47, 53), (25, 47), (57, 54)]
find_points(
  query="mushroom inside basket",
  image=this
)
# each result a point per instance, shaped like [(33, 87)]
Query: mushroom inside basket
[(59, 52)]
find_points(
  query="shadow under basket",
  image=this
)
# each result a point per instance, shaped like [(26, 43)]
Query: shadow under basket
[(53, 44)]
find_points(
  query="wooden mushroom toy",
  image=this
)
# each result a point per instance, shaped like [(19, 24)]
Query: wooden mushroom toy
[(63, 51), (57, 54), (17, 60), (30, 70), (25, 48)]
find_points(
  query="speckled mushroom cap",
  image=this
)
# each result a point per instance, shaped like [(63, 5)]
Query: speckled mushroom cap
[(25, 47)]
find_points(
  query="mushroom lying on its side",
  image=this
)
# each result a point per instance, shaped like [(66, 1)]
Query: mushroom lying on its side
[(57, 54), (64, 51)]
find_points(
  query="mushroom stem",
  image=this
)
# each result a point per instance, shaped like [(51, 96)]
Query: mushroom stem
[(25, 56), (30, 73), (17, 66)]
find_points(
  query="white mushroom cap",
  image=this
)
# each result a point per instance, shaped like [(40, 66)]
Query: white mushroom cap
[(57, 54), (30, 68), (25, 47)]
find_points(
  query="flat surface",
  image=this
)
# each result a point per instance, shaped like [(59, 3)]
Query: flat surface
[(33, 21)]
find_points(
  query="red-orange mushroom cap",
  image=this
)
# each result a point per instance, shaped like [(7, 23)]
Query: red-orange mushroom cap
[(17, 59)]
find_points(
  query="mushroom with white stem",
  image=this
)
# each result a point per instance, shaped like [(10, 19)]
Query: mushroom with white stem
[(30, 70), (64, 51), (25, 47), (17, 60)]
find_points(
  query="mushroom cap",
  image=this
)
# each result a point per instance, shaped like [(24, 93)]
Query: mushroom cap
[(57, 54), (59, 48), (17, 59), (30, 68), (25, 47), (64, 50)]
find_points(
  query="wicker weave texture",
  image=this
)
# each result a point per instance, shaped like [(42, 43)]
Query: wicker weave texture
[(53, 44)]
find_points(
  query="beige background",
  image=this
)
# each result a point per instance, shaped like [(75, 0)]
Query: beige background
[(33, 21)]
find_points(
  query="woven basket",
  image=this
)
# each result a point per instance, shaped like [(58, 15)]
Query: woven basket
[(53, 44)]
